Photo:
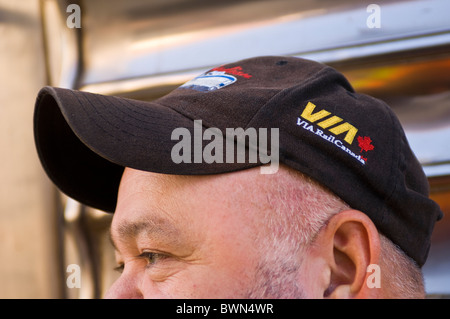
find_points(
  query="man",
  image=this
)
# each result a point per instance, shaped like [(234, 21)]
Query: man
[(333, 204)]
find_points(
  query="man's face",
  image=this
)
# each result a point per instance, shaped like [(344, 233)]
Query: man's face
[(196, 237)]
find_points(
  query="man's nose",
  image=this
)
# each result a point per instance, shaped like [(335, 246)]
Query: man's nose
[(127, 286)]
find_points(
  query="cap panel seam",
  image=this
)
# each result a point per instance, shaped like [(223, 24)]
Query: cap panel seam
[(283, 91), (395, 165), (82, 106), (188, 115)]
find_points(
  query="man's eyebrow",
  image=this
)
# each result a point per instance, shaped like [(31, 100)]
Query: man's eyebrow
[(157, 228)]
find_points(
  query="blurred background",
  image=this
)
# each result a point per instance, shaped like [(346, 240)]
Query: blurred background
[(398, 51)]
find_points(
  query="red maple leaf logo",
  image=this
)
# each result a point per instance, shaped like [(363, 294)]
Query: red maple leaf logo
[(364, 143)]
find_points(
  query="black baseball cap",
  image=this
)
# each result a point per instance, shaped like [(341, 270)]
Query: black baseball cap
[(351, 143)]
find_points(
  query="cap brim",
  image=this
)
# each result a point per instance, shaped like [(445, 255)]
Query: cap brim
[(85, 140)]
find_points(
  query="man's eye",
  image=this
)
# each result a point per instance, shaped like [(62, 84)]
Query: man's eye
[(152, 258), (119, 268)]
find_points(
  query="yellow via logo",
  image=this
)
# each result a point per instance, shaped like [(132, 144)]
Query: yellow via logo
[(330, 121)]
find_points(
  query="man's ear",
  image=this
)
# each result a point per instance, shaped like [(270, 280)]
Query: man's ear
[(350, 243)]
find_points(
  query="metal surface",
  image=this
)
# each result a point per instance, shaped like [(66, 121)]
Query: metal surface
[(29, 249), (63, 45), (145, 39)]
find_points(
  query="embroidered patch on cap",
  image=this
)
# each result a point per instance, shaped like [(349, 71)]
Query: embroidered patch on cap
[(209, 81), (216, 79), (308, 117)]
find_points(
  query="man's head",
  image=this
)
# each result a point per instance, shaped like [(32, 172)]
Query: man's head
[(196, 157), (248, 235)]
